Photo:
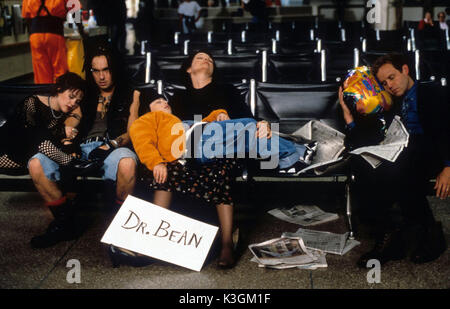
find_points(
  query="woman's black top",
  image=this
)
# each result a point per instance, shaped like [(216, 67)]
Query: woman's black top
[(32, 123), (187, 103)]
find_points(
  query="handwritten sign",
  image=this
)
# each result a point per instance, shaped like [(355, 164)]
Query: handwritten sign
[(151, 230)]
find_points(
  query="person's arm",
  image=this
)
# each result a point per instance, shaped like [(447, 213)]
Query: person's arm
[(143, 134), (26, 13), (71, 124), (124, 139), (421, 25), (180, 15), (239, 109), (442, 185), (348, 117), (134, 109), (198, 9), (440, 111), (217, 115)]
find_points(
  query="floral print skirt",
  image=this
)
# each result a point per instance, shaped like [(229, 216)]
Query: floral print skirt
[(210, 182)]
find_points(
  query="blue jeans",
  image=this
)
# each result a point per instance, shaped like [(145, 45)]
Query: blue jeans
[(236, 139), (109, 168)]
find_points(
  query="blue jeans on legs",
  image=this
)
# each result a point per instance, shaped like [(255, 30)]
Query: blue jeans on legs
[(236, 139)]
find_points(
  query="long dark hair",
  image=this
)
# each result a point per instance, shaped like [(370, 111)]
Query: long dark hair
[(186, 77), (114, 64)]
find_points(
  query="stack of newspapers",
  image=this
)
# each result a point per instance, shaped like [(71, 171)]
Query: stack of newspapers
[(325, 241), (287, 252), (304, 249)]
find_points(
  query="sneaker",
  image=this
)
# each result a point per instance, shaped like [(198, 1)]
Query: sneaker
[(294, 169), (121, 256), (312, 146), (309, 153)]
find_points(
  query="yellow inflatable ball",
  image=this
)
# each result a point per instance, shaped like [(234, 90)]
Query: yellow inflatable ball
[(363, 94)]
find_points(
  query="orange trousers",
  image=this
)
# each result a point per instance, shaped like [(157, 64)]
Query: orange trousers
[(49, 55)]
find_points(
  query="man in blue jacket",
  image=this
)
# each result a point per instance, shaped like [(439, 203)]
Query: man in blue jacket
[(424, 110)]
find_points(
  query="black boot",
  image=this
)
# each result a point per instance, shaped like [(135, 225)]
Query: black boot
[(431, 244), (120, 257), (388, 247), (62, 228)]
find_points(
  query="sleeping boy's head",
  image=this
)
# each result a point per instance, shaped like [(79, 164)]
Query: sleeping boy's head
[(160, 104)]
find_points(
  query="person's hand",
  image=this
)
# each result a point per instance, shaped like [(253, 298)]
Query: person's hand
[(160, 173), (222, 117), (71, 132), (442, 185), (263, 129), (104, 147), (345, 110)]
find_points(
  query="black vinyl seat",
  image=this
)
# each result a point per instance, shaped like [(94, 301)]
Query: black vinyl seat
[(11, 95), (135, 68), (355, 31), (386, 41), (329, 31), (167, 68), (431, 39), (293, 105), (288, 47), (212, 48), (432, 63), (299, 68), (166, 49), (235, 68), (338, 64)]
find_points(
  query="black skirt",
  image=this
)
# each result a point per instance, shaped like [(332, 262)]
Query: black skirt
[(209, 182)]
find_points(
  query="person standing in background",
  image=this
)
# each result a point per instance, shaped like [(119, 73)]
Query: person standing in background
[(426, 22), (442, 23), (189, 12), (112, 14), (48, 47), (258, 10), (145, 22)]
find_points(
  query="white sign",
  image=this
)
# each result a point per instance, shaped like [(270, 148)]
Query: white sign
[(151, 230)]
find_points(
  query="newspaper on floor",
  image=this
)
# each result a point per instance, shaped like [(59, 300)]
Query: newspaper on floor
[(325, 241), (303, 215), (320, 263), (286, 252), (331, 145)]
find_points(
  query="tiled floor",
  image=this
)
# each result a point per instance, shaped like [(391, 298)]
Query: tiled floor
[(22, 216)]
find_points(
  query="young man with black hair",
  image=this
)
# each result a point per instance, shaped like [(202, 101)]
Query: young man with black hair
[(106, 119), (424, 110)]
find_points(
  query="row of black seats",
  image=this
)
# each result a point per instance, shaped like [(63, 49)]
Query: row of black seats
[(289, 105), (309, 66)]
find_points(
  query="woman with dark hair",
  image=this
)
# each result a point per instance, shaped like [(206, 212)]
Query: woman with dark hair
[(210, 182), (40, 136), (38, 126), (205, 92)]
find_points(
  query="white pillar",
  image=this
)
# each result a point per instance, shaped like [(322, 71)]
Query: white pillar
[(386, 15)]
